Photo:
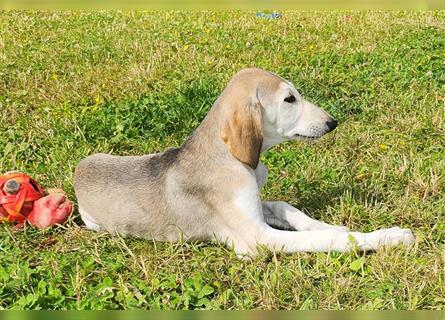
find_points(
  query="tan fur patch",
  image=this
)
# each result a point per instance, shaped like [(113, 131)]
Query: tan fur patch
[(242, 132)]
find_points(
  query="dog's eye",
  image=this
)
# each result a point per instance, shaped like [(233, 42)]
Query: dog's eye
[(290, 99)]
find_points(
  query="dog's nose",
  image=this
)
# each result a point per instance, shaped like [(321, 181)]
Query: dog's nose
[(332, 124)]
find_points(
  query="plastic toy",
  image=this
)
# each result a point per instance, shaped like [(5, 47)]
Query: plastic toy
[(23, 199)]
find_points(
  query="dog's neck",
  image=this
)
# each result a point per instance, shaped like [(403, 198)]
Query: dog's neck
[(207, 137)]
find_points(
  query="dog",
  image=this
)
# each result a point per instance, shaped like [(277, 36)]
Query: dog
[(209, 188)]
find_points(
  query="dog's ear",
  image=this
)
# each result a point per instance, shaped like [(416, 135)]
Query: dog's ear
[(242, 131)]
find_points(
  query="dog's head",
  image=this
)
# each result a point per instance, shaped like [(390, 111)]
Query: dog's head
[(262, 110)]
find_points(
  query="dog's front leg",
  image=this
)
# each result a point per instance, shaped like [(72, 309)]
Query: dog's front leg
[(327, 240), (331, 239), (295, 218), (273, 220), (244, 227)]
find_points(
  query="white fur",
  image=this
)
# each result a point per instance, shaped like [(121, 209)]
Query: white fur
[(88, 220), (297, 219), (335, 240), (290, 121)]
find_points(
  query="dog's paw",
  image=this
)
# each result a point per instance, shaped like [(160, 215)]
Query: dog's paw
[(391, 237)]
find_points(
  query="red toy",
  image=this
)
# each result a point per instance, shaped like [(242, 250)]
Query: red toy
[(23, 199)]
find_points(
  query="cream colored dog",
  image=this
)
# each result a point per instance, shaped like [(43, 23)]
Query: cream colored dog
[(209, 189)]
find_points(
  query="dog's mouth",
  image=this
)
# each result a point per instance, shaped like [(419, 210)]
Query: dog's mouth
[(303, 137)]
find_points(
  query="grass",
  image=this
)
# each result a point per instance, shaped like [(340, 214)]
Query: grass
[(72, 84)]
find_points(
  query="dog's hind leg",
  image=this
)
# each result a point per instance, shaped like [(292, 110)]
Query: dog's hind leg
[(295, 218)]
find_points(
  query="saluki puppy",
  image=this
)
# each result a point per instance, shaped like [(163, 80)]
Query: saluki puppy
[(209, 188)]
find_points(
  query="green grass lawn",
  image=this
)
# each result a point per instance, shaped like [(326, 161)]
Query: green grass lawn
[(72, 84)]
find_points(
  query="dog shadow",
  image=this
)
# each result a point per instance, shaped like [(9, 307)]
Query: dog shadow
[(317, 202)]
